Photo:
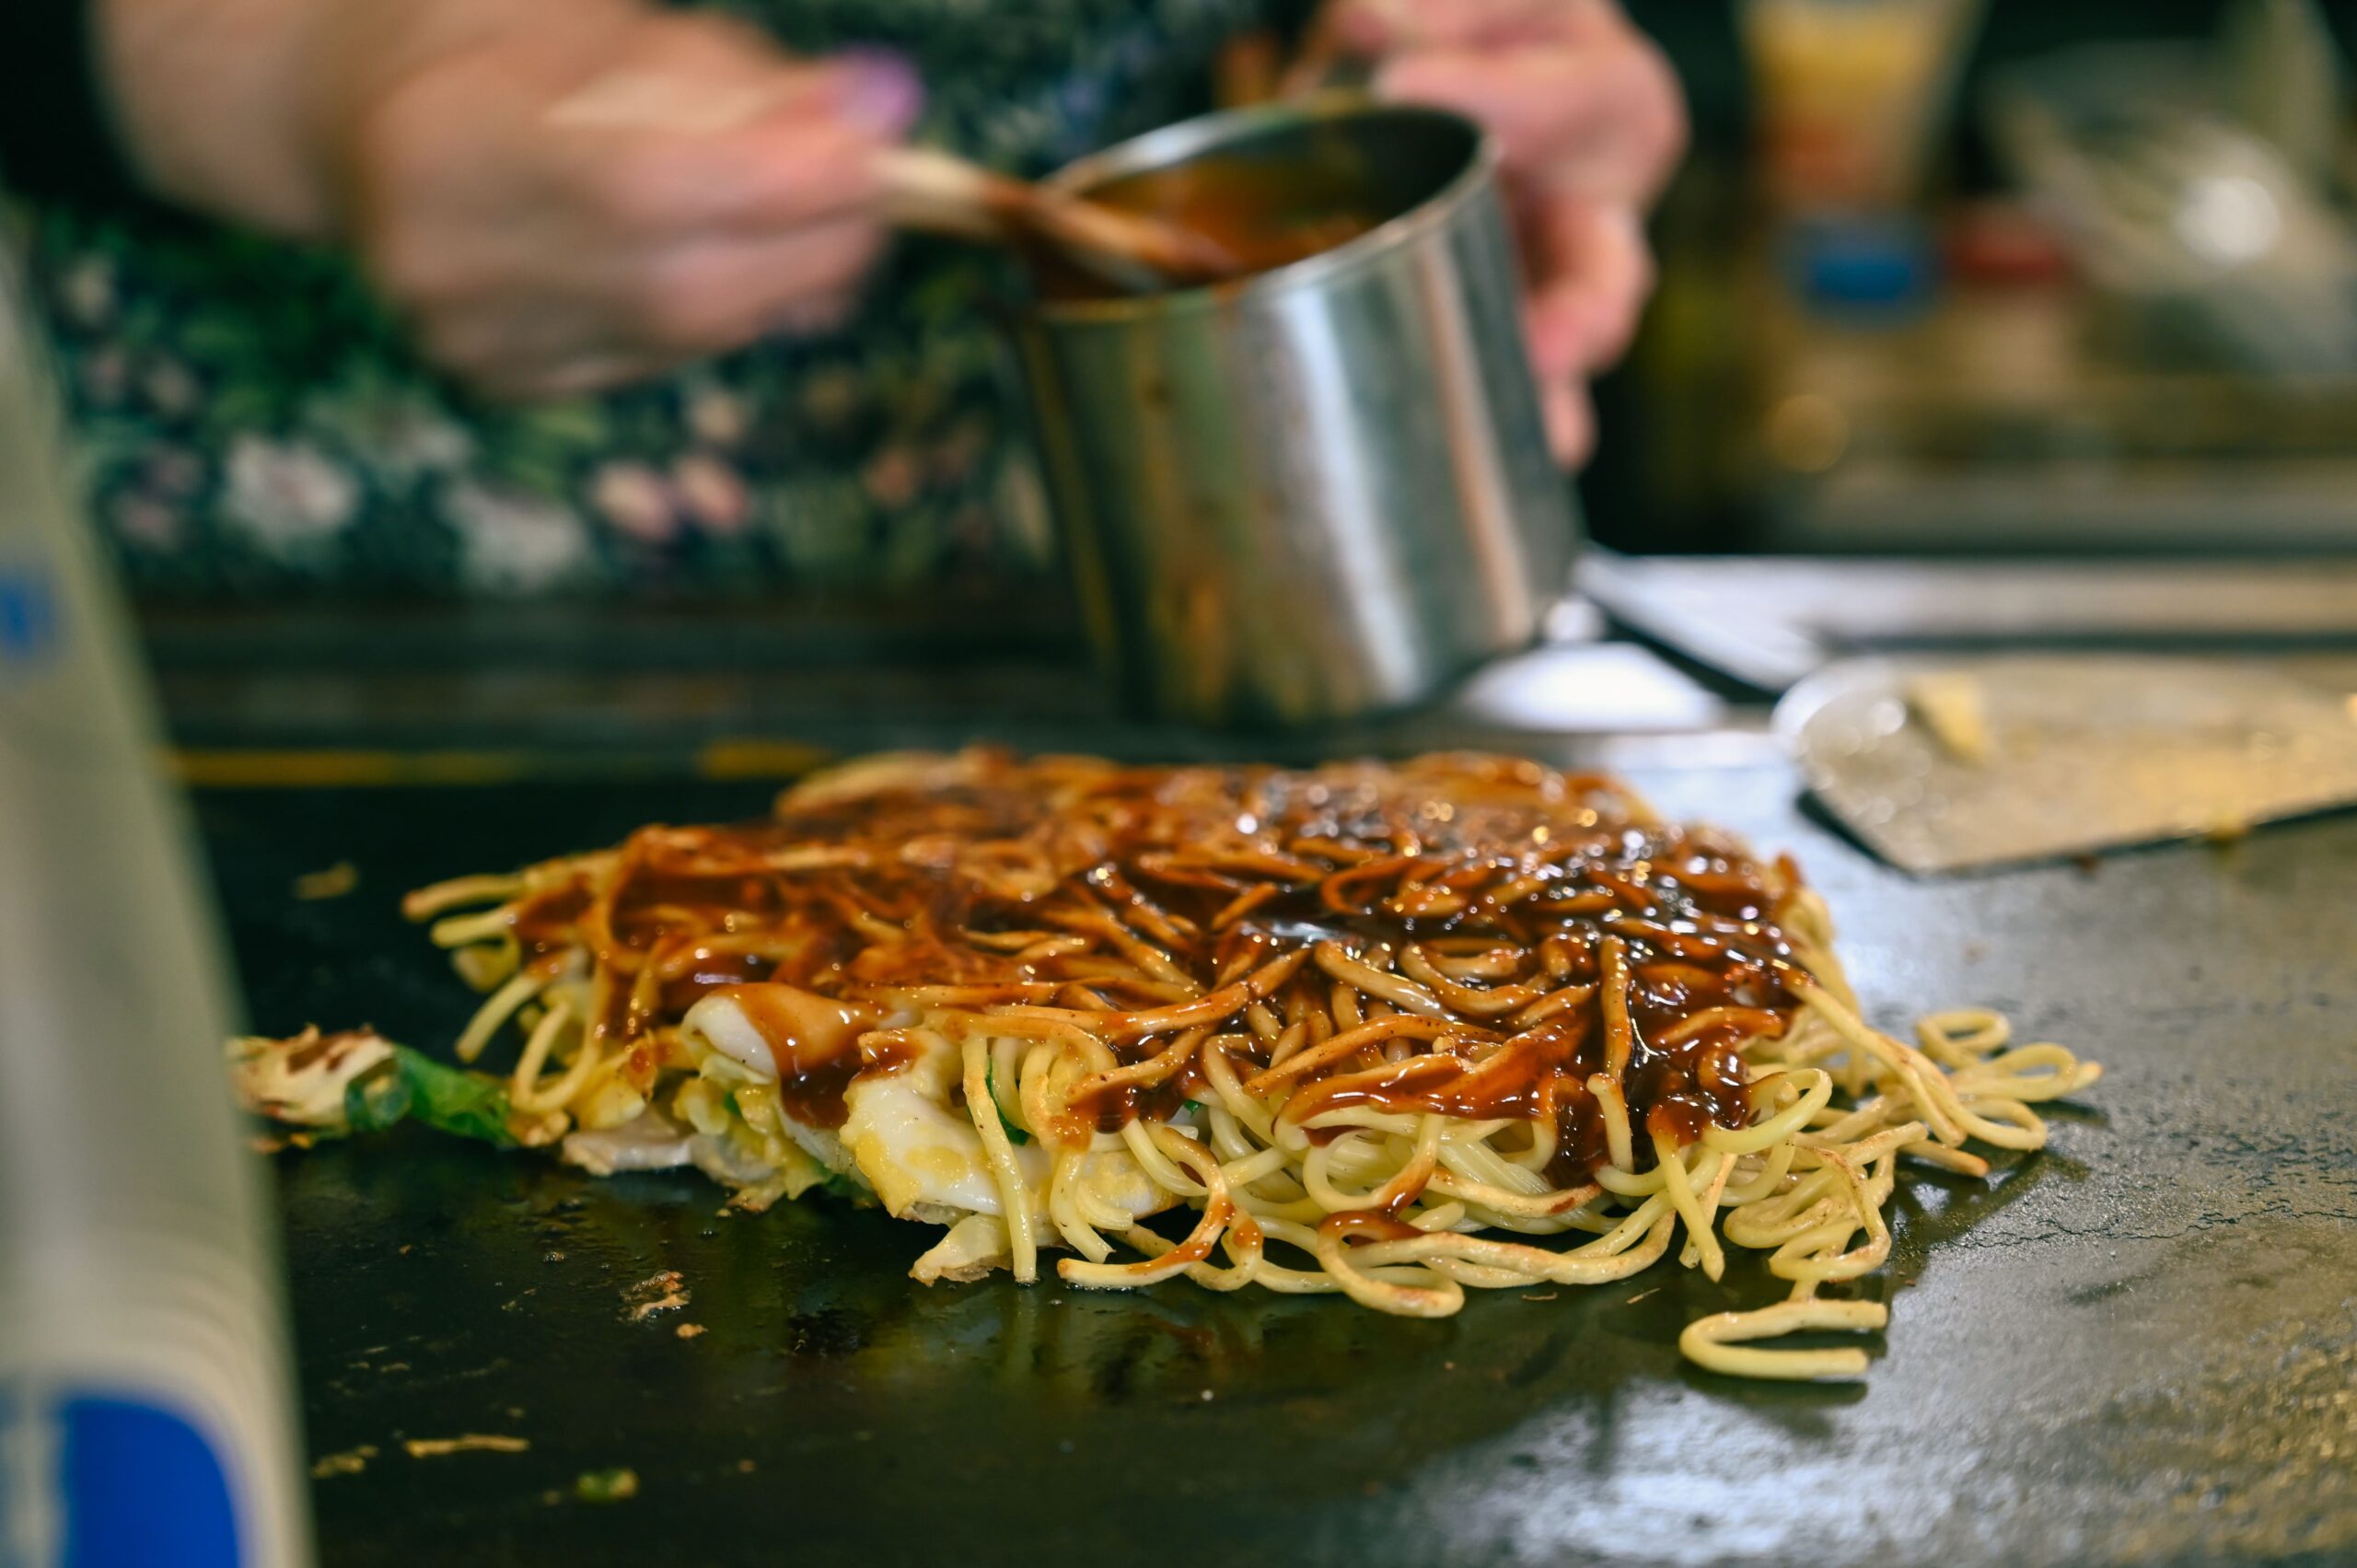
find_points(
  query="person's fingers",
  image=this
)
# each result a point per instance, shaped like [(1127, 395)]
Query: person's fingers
[(509, 371), (799, 149), (499, 316), (1591, 272), (1605, 120), (1375, 28), (756, 181), (508, 361), (557, 222), (735, 297), (816, 314), (508, 346), (1569, 419), (720, 293)]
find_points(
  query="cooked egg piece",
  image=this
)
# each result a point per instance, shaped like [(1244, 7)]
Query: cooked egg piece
[(914, 1145), (905, 1133)]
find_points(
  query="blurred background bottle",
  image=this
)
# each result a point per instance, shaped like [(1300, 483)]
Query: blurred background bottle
[(1851, 96), (1962, 277), (145, 1413)]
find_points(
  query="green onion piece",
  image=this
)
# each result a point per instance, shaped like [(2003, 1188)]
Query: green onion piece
[(846, 1188), (414, 1087), (990, 1079)]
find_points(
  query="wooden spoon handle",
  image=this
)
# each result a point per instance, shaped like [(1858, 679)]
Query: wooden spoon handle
[(937, 193)]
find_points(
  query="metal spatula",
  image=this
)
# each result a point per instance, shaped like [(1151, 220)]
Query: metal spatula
[(1941, 764)]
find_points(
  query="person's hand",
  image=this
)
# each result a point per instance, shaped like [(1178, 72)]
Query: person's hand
[(558, 195), (1589, 123), (557, 217)]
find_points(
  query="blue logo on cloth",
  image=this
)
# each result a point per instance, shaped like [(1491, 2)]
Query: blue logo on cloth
[(28, 614), (120, 1483)]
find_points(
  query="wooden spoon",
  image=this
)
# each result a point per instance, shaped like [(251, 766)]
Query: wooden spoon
[(937, 193)]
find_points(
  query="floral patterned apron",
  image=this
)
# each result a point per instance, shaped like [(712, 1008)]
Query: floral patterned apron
[(253, 425)]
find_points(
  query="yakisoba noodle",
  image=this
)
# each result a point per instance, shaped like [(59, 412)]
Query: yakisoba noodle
[(1389, 1032)]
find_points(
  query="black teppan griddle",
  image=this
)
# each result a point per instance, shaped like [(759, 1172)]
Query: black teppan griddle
[(2140, 1346)]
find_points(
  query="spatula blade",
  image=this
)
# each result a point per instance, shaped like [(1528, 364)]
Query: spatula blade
[(1942, 764)]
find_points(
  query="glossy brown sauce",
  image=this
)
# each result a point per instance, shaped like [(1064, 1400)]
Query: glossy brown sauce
[(815, 1096), (1109, 1110), (705, 971), (1260, 216), (1367, 1225), (1091, 888), (817, 1043)]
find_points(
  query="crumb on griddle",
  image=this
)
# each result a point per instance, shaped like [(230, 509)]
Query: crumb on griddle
[(656, 1292), (471, 1443), (334, 882), (606, 1486), (350, 1462), (2230, 828)]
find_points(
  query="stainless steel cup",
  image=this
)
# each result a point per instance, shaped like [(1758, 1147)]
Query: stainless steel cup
[(1323, 491)]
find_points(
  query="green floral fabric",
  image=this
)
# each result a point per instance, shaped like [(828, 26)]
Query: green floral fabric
[(253, 424)]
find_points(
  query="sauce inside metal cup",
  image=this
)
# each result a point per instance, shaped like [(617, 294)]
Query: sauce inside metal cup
[(1321, 490)]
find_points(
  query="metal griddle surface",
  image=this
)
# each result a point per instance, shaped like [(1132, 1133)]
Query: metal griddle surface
[(2139, 1346)]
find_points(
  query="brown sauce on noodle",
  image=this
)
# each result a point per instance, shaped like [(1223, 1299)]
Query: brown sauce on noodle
[(1506, 916)]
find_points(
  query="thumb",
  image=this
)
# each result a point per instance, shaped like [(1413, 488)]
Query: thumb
[(1608, 123)]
